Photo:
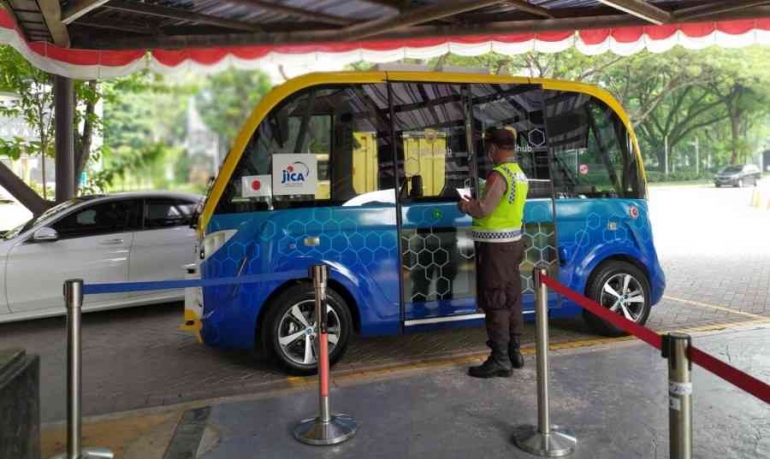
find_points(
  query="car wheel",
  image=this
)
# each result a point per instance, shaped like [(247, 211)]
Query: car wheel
[(718, 185), (289, 329), (622, 288)]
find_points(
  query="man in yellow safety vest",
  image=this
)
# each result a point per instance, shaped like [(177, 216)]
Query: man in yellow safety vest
[(497, 229)]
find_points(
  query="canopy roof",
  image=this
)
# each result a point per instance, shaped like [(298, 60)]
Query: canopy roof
[(107, 38)]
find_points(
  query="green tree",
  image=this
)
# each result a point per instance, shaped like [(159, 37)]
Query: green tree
[(145, 123), (35, 105), (741, 83), (227, 99)]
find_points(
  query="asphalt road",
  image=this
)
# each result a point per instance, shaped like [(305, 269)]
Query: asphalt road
[(715, 250)]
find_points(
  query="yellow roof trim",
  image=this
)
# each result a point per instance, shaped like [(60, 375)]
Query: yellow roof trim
[(441, 77)]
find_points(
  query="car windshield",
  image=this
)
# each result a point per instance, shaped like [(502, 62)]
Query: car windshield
[(732, 169), (55, 210)]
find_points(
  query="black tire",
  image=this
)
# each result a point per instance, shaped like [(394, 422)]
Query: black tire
[(609, 272), (718, 185), (274, 325)]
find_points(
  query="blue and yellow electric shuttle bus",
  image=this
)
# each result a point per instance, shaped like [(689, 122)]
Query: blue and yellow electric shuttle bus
[(362, 170)]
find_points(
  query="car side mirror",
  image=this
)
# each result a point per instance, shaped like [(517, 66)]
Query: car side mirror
[(45, 234), (416, 187)]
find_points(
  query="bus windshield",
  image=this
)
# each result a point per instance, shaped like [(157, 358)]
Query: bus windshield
[(592, 152)]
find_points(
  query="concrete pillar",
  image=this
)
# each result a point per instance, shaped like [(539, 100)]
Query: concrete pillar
[(64, 102)]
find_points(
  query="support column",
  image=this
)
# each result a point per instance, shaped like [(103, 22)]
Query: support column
[(64, 102)]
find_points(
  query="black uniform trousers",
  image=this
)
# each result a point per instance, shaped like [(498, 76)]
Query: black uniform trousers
[(498, 286)]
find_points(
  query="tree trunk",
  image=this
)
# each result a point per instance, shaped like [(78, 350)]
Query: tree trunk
[(83, 153), (21, 191), (735, 124)]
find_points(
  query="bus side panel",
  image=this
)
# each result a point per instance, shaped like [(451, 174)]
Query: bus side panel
[(358, 243), (592, 230)]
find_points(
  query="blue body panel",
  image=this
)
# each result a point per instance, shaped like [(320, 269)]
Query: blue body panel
[(361, 246), (593, 230)]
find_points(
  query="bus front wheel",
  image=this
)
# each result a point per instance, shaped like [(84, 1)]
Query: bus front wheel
[(622, 288), (289, 328)]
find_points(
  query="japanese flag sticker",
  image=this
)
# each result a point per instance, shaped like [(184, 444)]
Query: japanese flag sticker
[(253, 186)]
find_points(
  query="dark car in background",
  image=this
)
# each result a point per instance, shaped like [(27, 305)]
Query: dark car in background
[(738, 175)]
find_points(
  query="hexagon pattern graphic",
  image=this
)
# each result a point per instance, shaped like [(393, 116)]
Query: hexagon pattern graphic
[(615, 228), (435, 259), (432, 259)]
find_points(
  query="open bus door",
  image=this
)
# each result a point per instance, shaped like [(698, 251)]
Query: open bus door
[(441, 153)]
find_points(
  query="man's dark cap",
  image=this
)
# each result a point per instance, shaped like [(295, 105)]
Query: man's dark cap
[(504, 138)]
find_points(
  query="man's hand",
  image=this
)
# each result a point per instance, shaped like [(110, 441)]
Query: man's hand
[(463, 204)]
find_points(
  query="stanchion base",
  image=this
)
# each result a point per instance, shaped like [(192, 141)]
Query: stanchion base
[(560, 442), (90, 453), (313, 431)]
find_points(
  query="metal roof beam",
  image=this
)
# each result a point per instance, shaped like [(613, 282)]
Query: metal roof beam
[(397, 4), (78, 8), (294, 11), (413, 17), (52, 13), (641, 9), (715, 8), (527, 7), (178, 14), (97, 24), (301, 37)]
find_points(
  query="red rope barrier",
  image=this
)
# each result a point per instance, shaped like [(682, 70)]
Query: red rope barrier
[(738, 378), (731, 374), (644, 334)]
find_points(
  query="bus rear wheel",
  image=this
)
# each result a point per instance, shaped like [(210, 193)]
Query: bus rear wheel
[(622, 288), (288, 331)]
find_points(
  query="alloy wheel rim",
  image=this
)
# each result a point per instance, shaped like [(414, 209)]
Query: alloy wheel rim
[(297, 332), (623, 294)]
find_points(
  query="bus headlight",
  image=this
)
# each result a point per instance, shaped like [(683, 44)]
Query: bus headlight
[(214, 241)]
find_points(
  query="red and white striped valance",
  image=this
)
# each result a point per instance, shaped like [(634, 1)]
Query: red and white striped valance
[(90, 64)]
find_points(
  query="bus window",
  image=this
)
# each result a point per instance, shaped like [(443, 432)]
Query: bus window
[(593, 155), (347, 131), (520, 108), (430, 140), (432, 147)]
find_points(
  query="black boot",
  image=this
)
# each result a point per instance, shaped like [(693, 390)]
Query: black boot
[(497, 364), (514, 352)]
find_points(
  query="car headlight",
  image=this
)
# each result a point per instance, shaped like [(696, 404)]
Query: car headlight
[(214, 241)]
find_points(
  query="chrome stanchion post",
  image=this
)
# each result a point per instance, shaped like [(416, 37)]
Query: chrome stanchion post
[(327, 428), (73, 299), (676, 348), (544, 439)]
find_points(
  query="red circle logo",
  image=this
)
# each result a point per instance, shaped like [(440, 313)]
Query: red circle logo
[(634, 212), (256, 185)]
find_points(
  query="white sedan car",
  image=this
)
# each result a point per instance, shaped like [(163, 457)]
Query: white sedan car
[(121, 237)]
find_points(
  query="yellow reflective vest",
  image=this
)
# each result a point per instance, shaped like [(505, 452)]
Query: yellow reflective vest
[(504, 224)]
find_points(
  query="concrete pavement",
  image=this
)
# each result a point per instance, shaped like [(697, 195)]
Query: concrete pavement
[(613, 397)]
